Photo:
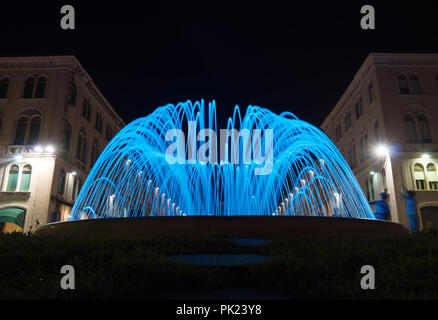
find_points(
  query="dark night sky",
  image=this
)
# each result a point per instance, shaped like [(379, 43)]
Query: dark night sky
[(296, 57)]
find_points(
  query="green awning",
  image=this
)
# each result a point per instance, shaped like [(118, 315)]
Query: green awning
[(14, 215)]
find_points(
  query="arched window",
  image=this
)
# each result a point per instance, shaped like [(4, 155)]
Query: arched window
[(423, 129), (84, 150), (4, 86), (73, 95), (13, 178), (26, 173), (432, 176), (415, 84), (40, 88), (79, 147), (347, 121), (34, 131), (420, 177), (109, 132), (20, 131), (28, 88), (370, 93), (61, 182), (403, 84), (81, 150), (410, 129), (84, 108), (359, 108), (67, 136), (98, 123)]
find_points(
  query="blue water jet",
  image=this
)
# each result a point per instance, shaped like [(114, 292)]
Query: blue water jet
[(131, 178)]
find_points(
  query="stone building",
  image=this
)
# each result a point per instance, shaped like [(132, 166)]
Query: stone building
[(54, 122), (386, 126)]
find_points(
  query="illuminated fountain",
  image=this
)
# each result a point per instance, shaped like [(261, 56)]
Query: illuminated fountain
[(274, 165)]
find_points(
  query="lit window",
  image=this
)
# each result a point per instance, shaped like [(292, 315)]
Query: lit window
[(420, 178), (13, 178), (26, 173), (432, 176)]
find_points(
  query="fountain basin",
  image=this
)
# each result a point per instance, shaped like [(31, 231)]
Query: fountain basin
[(228, 225)]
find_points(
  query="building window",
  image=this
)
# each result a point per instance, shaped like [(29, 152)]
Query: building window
[(81, 150), (61, 182), (86, 109), (32, 91), (27, 131), (420, 178), (411, 86), (370, 93), (369, 187), (20, 132), (28, 87), (98, 123), (13, 178), (94, 152), (4, 86), (403, 84), (359, 108), (73, 95), (423, 129), (414, 82), (432, 176), (376, 131), (67, 136), (109, 132), (347, 121), (34, 131), (41, 88), (76, 188), (410, 129), (26, 173)]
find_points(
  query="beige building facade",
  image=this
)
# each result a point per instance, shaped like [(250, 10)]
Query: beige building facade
[(386, 126), (54, 122)]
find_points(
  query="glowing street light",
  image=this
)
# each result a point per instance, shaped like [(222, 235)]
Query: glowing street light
[(49, 149), (425, 156), (38, 149), (382, 150)]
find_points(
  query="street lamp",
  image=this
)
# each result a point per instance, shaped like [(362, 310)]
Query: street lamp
[(382, 150)]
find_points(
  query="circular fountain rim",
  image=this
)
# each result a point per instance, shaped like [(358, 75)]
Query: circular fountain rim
[(227, 225)]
